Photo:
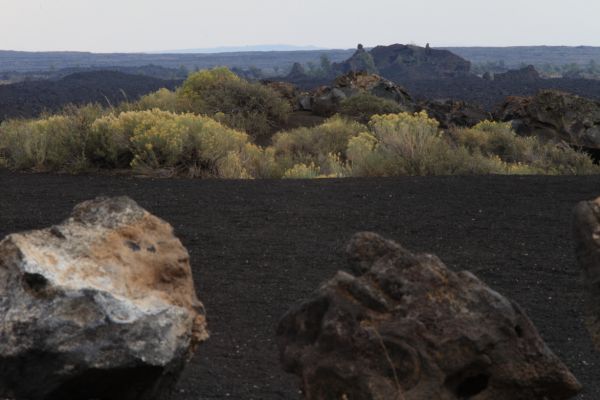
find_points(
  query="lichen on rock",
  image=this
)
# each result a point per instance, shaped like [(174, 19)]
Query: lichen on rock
[(101, 306)]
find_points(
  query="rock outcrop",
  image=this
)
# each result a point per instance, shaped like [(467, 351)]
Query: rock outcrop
[(556, 116), (101, 306), (587, 242), (296, 73), (455, 113), (523, 75), (406, 327), (327, 99), (400, 62), (361, 61)]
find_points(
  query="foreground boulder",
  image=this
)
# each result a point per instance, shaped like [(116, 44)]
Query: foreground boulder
[(587, 241), (555, 116), (101, 306), (406, 327)]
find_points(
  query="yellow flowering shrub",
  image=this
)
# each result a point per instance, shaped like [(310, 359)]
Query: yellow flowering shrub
[(310, 145), (523, 154), (41, 145), (161, 139), (237, 103), (302, 171)]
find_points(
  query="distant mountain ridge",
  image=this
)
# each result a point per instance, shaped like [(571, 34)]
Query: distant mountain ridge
[(269, 57), (20, 61), (516, 56), (241, 49)]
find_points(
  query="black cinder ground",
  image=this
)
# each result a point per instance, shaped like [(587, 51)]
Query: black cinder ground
[(259, 246)]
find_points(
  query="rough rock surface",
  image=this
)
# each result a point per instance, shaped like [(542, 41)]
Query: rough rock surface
[(326, 99), (455, 113), (555, 115), (406, 327), (361, 61), (587, 241), (400, 61), (101, 306), (526, 74)]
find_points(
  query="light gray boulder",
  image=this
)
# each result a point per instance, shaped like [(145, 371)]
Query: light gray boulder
[(101, 306)]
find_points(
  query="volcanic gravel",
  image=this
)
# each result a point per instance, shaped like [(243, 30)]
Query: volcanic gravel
[(257, 247)]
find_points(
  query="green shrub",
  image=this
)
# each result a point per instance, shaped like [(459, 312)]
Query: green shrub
[(196, 145), (411, 144), (302, 171), (252, 107), (528, 155), (163, 99), (364, 105), (55, 143), (261, 163), (310, 145)]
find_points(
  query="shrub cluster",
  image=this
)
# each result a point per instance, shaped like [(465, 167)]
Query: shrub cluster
[(191, 132), (365, 105), (220, 94), (55, 142), (412, 144), (526, 155), (189, 144), (251, 107), (321, 148)]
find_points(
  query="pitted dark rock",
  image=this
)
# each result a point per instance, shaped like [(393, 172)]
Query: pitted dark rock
[(409, 328)]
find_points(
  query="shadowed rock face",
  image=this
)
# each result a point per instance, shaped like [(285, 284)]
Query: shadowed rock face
[(406, 61), (526, 74), (455, 113), (587, 242), (406, 327), (555, 115), (101, 306)]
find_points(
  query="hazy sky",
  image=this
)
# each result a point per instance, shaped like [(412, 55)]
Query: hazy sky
[(151, 25)]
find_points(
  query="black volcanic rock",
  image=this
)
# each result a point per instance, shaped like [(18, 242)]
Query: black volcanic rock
[(30, 98), (361, 61), (404, 326), (399, 60), (556, 116), (455, 113), (526, 74), (326, 100)]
